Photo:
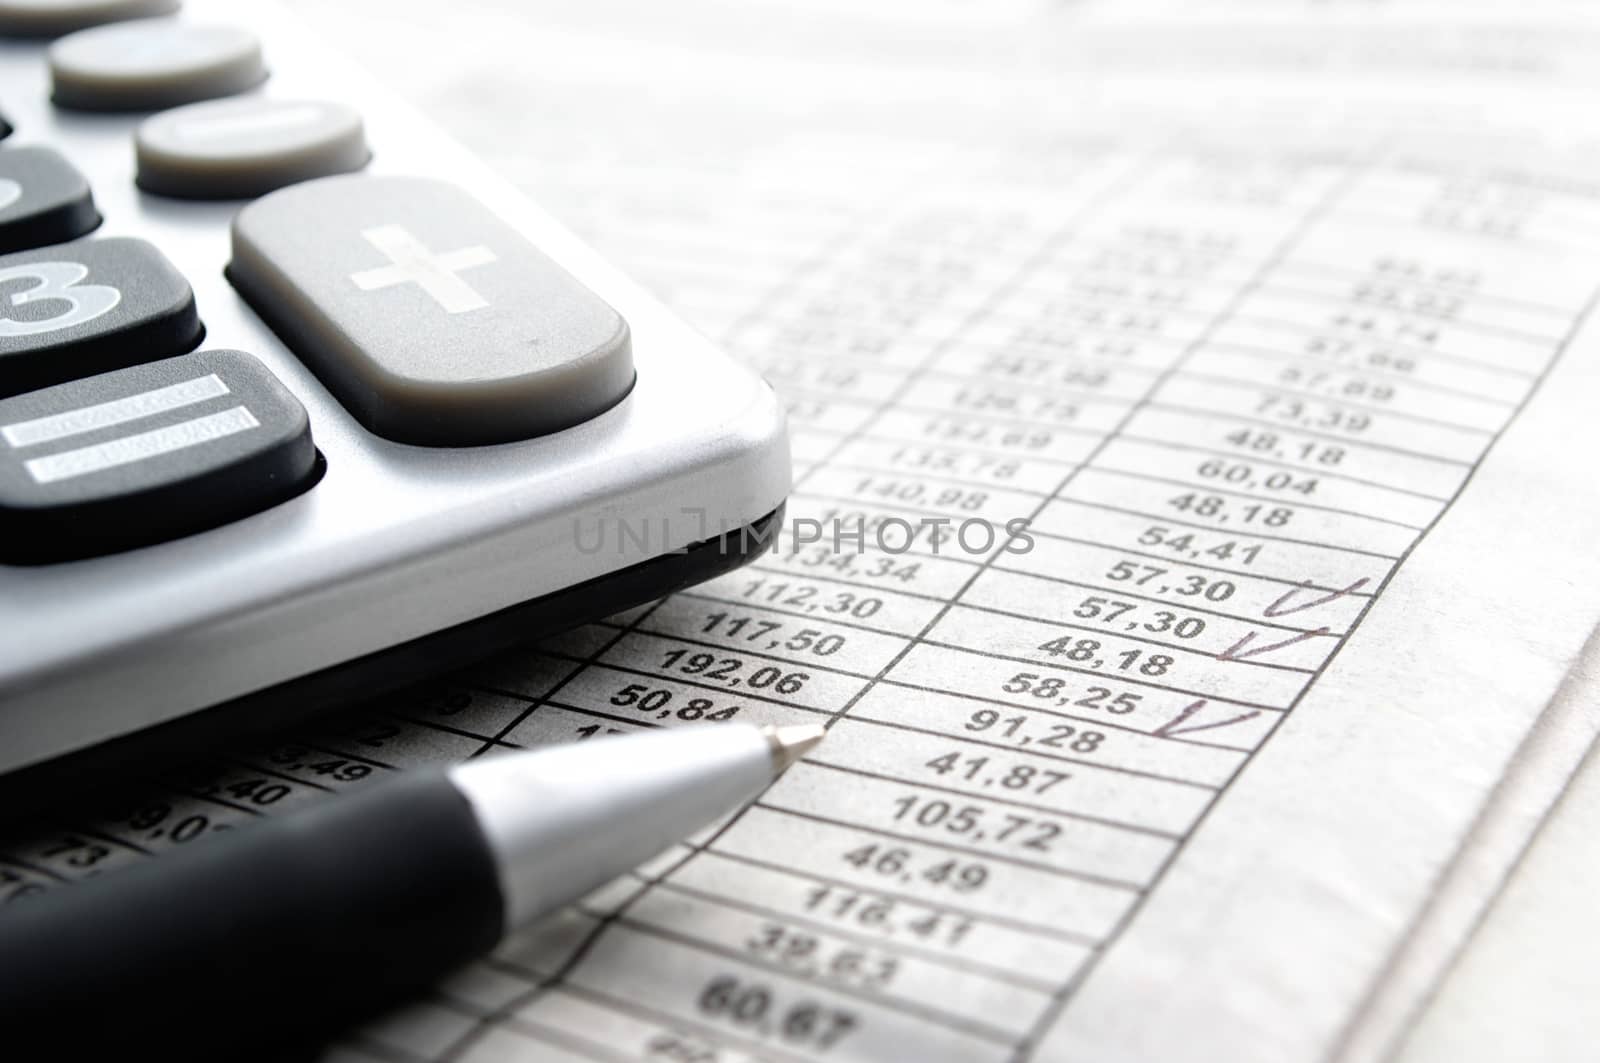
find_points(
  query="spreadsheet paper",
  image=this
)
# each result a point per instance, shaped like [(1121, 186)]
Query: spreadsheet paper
[(1193, 522)]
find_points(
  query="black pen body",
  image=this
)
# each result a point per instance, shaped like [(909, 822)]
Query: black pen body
[(262, 940)]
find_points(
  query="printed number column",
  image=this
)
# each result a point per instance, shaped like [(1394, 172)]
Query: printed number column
[(766, 941), (1031, 732)]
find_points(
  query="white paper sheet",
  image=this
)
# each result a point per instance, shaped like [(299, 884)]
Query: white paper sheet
[(1272, 329), (1523, 986)]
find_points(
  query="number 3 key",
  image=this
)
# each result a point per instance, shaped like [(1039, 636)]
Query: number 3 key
[(89, 307)]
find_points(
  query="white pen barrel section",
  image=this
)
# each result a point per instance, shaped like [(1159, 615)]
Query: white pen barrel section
[(575, 817)]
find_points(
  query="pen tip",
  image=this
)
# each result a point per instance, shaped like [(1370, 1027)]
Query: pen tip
[(789, 744)]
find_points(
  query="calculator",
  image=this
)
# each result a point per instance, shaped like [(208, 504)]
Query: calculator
[(299, 402)]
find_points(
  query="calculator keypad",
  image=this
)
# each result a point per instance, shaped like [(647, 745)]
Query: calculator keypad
[(246, 147), (431, 319), (146, 65), (31, 18), (43, 200), (87, 307), (147, 454)]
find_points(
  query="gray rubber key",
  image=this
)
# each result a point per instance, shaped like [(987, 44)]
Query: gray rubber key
[(51, 18), (238, 149), (147, 454), (432, 320), (87, 307), (152, 64), (43, 200)]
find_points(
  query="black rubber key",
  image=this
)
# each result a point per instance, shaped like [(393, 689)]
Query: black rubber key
[(89, 307), (43, 200), (147, 454)]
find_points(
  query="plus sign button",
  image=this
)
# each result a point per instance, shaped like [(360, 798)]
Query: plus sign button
[(431, 319)]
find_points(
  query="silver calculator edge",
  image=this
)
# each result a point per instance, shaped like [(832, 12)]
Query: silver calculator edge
[(396, 541)]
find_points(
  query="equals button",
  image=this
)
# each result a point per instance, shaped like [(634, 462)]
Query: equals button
[(146, 454)]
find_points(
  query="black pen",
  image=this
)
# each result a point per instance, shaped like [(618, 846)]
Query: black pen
[(285, 931)]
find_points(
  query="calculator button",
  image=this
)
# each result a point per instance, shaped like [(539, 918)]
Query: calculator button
[(88, 307), (147, 454), (152, 64), (43, 200), (237, 149), (432, 320), (51, 18)]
